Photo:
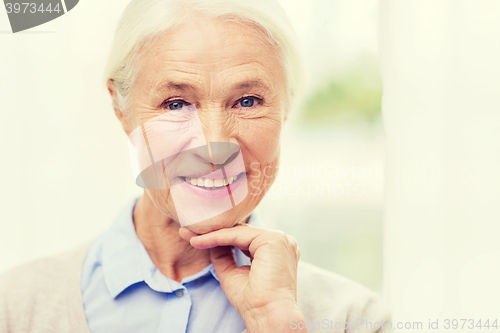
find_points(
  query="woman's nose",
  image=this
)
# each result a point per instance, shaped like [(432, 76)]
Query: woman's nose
[(220, 135), (223, 153)]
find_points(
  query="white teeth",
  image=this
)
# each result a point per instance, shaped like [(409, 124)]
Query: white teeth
[(210, 183), (201, 182)]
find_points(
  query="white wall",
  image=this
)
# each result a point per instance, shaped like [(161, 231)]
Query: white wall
[(64, 170), (441, 108)]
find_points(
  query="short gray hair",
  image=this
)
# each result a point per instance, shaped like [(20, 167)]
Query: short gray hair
[(143, 20)]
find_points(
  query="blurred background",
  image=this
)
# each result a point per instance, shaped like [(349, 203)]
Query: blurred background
[(65, 171), (328, 194)]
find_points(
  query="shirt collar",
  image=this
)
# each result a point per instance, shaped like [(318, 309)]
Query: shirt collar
[(121, 263), (125, 261)]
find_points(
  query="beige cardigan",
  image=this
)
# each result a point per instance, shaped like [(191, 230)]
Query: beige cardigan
[(45, 296)]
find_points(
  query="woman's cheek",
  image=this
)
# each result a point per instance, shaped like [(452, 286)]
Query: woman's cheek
[(260, 140), (261, 174)]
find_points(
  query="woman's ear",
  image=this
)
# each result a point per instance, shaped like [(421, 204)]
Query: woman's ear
[(117, 107)]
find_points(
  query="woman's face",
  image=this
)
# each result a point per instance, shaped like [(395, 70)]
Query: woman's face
[(230, 83)]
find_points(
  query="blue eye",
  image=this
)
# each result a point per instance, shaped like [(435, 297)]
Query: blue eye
[(175, 106), (247, 102)]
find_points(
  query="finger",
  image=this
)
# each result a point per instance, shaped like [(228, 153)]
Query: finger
[(223, 260), (186, 234), (246, 238), (240, 237)]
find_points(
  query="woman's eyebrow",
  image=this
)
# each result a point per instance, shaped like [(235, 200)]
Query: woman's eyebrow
[(171, 85), (257, 83)]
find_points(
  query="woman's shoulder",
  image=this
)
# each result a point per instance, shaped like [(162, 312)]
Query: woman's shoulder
[(38, 271), (324, 296), (36, 291)]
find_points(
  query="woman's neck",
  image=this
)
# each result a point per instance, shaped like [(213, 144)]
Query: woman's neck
[(159, 234)]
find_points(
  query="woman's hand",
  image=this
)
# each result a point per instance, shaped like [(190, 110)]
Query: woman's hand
[(265, 293)]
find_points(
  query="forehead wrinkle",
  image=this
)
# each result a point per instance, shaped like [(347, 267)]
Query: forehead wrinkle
[(182, 75), (211, 66), (251, 78), (173, 82)]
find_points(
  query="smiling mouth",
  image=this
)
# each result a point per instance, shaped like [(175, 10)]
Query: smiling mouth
[(211, 184)]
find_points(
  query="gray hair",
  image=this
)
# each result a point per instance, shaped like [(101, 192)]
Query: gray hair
[(143, 20)]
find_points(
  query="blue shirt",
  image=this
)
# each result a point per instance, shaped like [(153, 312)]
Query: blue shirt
[(123, 291)]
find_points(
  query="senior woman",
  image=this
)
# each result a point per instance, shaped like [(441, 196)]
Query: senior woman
[(201, 89)]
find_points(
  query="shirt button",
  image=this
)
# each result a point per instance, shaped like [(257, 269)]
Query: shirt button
[(179, 293)]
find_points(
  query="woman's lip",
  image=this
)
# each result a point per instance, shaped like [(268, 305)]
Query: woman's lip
[(215, 193), (213, 175)]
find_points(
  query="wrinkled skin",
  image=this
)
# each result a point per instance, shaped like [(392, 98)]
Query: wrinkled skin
[(214, 58)]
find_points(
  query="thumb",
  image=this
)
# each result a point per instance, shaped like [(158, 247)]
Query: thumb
[(186, 234), (223, 260)]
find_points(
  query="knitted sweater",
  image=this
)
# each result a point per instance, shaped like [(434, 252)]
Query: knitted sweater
[(45, 296)]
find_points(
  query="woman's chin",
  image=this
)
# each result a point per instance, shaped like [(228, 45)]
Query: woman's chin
[(221, 221)]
